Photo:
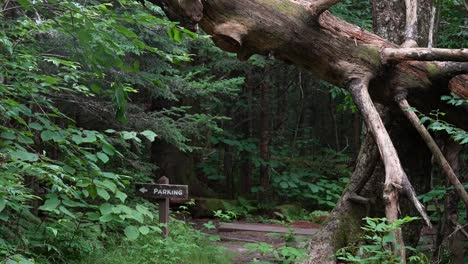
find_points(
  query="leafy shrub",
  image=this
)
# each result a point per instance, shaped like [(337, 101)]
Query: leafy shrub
[(377, 249), (184, 245)]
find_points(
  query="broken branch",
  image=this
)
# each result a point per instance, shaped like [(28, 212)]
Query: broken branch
[(424, 54), (432, 145), (321, 6)]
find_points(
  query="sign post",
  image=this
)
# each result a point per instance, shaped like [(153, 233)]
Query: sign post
[(162, 192)]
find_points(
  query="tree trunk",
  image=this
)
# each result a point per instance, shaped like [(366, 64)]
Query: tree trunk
[(454, 238), (265, 136), (246, 166)]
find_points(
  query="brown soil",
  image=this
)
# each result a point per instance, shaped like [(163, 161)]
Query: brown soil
[(235, 241)]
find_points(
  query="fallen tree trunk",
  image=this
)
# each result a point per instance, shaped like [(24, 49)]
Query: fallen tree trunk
[(372, 68)]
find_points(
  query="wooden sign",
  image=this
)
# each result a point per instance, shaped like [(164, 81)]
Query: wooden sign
[(162, 192)]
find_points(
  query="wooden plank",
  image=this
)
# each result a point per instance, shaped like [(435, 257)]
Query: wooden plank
[(161, 191), (230, 227)]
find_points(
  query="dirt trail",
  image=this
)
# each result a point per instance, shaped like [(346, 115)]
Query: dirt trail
[(234, 236)]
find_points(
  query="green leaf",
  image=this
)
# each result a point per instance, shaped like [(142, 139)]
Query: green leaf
[(64, 210), (144, 230), (2, 204), (150, 135), (78, 139), (103, 193), (133, 214), (108, 149), (8, 135), (109, 185), (47, 135), (129, 135), (125, 31), (35, 126), (51, 203), (90, 136), (121, 196), (106, 218), (68, 169), (92, 216), (26, 4), (53, 230), (105, 208), (25, 140), (132, 232), (103, 157), (24, 155)]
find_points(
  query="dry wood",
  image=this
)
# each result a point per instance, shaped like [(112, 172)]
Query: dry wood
[(411, 27), (320, 6), (393, 169), (459, 85), (432, 145), (430, 41), (424, 54)]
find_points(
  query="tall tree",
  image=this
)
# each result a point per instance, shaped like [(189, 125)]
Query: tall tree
[(373, 69)]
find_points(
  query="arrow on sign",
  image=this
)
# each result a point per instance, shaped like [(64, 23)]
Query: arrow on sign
[(143, 190)]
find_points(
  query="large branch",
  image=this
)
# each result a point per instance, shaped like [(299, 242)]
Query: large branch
[(424, 54)]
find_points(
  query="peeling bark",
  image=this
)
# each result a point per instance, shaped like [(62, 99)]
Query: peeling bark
[(457, 85)]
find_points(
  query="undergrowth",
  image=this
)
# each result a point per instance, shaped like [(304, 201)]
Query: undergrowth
[(184, 245)]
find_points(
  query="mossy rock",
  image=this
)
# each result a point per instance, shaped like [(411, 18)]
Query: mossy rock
[(204, 207), (289, 210)]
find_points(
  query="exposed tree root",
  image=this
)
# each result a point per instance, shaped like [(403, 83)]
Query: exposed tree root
[(342, 227)]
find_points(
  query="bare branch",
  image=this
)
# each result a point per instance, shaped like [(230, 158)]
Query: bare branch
[(432, 145), (410, 193), (411, 27), (320, 6), (394, 173), (430, 42), (424, 54)]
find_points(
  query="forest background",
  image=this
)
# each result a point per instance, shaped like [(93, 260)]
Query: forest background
[(98, 95)]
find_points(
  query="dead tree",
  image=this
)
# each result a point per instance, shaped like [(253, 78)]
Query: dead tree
[(372, 68)]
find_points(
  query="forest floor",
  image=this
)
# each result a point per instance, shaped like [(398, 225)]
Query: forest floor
[(235, 235)]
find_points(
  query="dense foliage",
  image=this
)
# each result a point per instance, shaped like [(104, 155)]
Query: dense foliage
[(67, 169), (97, 95)]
